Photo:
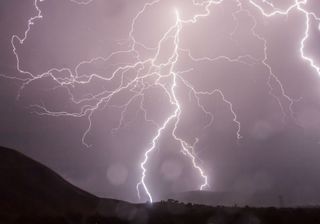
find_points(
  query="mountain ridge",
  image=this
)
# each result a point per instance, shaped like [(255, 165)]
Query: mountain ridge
[(29, 188), (31, 193)]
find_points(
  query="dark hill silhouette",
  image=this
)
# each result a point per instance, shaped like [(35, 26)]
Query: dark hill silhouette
[(29, 189), (26, 181), (30, 193), (257, 199), (253, 199)]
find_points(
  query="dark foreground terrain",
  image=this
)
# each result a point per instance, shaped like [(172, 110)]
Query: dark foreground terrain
[(30, 193)]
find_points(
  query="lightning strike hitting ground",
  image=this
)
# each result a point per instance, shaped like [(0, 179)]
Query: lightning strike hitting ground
[(170, 81)]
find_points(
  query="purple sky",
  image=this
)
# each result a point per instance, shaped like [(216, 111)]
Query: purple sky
[(279, 112)]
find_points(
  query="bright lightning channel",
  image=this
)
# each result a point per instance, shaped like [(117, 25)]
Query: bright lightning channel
[(150, 68)]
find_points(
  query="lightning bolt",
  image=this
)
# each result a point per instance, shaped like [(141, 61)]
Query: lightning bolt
[(150, 72), (298, 5)]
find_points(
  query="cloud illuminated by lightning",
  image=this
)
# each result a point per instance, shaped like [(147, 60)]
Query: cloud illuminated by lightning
[(170, 81)]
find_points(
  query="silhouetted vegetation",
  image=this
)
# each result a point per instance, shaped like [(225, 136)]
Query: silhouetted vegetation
[(30, 193), (179, 213)]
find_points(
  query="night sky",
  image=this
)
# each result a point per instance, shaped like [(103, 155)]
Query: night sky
[(46, 115)]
